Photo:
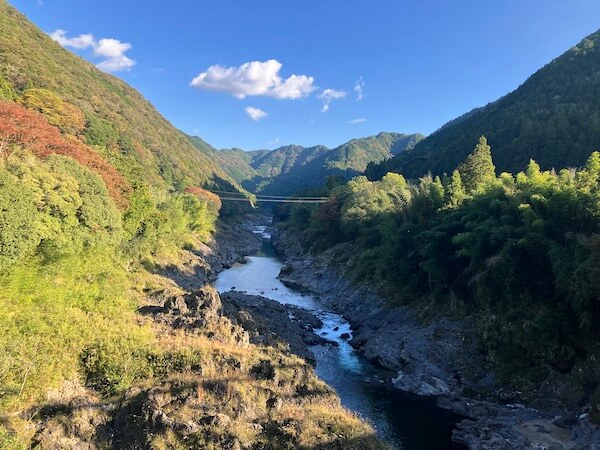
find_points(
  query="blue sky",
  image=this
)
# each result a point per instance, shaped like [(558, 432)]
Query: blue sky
[(419, 64)]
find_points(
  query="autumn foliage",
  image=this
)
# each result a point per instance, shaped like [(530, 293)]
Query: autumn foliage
[(65, 116), (20, 127), (203, 194)]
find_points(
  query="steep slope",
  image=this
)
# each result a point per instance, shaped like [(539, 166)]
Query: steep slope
[(29, 58), (238, 163), (286, 159), (554, 118)]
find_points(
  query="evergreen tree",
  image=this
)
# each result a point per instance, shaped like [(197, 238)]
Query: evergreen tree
[(455, 192), (478, 169)]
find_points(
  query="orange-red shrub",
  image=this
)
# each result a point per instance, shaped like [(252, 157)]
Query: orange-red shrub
[(31, 130), (203, 194)]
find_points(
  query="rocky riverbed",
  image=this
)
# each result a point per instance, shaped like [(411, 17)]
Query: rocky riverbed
[(271, 323), (438, 358)]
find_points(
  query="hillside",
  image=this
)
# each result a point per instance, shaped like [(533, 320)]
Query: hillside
[(30, 59), (292, 168), (553, 118)]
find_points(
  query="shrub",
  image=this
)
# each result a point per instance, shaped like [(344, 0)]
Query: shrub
[(6, 90), (111, 367)]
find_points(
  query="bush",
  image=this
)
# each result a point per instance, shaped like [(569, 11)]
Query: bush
[(20, 128), (100, 132), (55, 207), (112, 367)]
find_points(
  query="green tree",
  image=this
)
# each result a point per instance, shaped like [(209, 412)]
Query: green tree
[(455, 192), (478, 169)]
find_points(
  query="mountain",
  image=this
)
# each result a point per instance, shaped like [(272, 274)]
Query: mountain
[(97, 192), (292, 168), (137, 132), (553, 118), (347, 160)]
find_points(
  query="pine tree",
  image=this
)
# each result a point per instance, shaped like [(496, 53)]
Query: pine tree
[(478, 169)]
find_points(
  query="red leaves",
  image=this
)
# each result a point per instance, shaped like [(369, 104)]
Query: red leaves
[(207, 196), (31, 130)]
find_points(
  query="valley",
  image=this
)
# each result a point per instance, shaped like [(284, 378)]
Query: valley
[(395, 291)]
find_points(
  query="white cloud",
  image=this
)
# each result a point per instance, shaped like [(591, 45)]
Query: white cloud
[(112, 50), (274, 141), (255, 114), (357, 121), (254, 78), (80, 42), (328, 95), (359, 89)]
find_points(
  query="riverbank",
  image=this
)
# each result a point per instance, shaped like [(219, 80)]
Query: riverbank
[(280, 314), (436, 358), (205, 381)]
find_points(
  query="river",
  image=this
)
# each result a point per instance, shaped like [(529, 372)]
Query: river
[(405, 422)]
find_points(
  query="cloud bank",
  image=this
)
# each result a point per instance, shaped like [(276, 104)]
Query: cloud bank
[(111, 50), (255, 78)]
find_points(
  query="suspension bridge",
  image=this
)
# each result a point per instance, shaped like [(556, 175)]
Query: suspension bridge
[(240, 197)]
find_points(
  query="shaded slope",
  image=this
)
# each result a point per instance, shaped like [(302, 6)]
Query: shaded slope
[(554, 118), (347, 161)]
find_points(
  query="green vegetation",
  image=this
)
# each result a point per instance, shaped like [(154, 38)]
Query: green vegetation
[(6, 90), (553, 118), (68, 118), (80, 221), (519, 253), (312, 167)]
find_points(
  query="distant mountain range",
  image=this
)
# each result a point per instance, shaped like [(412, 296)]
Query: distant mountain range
[(293, 168), (554, 118)]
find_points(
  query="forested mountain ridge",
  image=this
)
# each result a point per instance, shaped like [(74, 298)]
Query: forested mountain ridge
[(554, 118), (292, 168)]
